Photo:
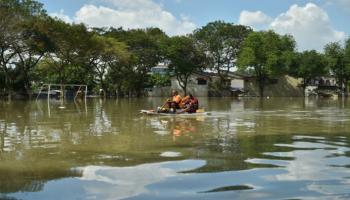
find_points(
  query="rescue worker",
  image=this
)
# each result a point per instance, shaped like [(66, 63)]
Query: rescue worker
[(191, 104), (174, 103)]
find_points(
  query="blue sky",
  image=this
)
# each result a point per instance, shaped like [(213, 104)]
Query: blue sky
[(313, 23)]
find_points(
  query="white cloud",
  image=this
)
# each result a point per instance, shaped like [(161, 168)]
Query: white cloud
[(133, 14), (134, 4), (62, 16), (343, 4), (310, 26), (254, 19)]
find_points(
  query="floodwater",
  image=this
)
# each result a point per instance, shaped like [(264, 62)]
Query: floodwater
[(280, 148)]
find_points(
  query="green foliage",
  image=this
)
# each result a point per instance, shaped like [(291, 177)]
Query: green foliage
[(103, 54), (160, 80), (221, 42), (70, 47), (144, 46), (20, 41), (308, 65), (338, 58), (311, 65), (347, 58), (267, 54), (36, 48), (185, 58)]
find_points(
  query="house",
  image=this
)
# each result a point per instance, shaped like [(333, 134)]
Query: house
[(204, 84), (198, 84), (283, 86), (322, 86), (236, 81), (161, 69)]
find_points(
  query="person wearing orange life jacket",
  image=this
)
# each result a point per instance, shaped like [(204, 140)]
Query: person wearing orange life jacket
[(174, 103), (191, 105), (184, 102)]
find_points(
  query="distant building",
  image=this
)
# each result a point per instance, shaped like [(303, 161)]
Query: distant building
[(198, 84), (323, 86), (283, 86), (236, 81), (161, 69), (202, 84)]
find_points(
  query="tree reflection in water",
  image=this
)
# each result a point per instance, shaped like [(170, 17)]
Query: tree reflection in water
[(241, 140)]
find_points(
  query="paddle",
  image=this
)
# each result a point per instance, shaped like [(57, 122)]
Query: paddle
[(161, 108)]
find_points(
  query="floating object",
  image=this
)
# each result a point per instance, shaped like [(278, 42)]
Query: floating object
[(200, 112), (170, 154)]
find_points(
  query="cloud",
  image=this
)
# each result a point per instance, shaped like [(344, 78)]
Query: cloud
[(310, 26), (343, 4), (133, 14), (62, 16), (254, 19)]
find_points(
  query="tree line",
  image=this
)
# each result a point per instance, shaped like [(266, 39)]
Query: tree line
[(36, 48)]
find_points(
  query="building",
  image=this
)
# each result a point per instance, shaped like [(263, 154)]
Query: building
[(323, 87), (283, 86), (203, 84), (161, 69), (236, 82), (198, 84)]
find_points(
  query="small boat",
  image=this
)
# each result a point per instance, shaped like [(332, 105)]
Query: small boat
[(200, 112)]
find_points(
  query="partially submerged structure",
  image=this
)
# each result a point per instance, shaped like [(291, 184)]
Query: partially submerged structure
[(323, 87), (203, 84), (59, 91)]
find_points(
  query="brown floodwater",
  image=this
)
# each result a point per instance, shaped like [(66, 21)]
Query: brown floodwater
[(278, 148)]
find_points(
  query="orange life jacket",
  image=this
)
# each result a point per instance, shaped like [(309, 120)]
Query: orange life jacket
[(177, 99)]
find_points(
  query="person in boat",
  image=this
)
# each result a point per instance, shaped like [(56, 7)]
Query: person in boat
[(191, 104), (174, 103), (184, 102)]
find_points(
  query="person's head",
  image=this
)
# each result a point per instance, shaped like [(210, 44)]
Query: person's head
[(190, 95), (174, 92)]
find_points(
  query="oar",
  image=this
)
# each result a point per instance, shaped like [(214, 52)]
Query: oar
[(161, 108)]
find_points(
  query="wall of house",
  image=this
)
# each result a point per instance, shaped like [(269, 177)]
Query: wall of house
[(237, 83), (159, 92), (192, 87), (285, 86)]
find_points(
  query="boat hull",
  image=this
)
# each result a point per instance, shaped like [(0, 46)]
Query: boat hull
[(152, 112)]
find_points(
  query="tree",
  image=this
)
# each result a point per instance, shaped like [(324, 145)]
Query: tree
[(222, 42), (266, 54), (338, 62), (34, 43), (185, 59), (69, 60), (145, 48), (7, 31), (347, 55), (105, 53), (13, 13), (160, 80), (309, 65)]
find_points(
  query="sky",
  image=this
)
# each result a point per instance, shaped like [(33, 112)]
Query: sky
[(313, 23)]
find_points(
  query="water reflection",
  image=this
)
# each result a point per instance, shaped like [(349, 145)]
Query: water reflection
[(246, 149), (311, 173)]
